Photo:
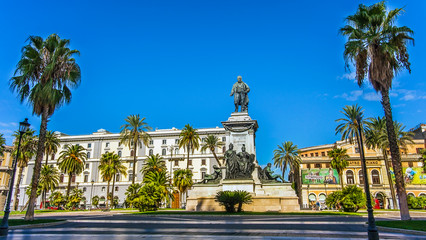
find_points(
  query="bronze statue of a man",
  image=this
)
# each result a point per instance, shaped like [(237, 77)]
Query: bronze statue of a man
[(239, 91)]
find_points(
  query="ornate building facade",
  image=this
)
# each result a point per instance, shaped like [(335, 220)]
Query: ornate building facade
[(5, 171), (163, 142)]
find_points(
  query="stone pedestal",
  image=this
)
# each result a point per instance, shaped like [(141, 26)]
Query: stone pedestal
[(236, 184)]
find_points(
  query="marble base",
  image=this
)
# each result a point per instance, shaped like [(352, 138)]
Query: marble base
[(235, 184)]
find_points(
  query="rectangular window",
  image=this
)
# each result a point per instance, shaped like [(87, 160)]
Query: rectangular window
[(73, 178), (312, 154), (87, 165), (223, 139), (131, 164), (316, 154), (176, 163), (107, 144), (203, 174), (190, 162), (119, 144), (86, 178), (308, 165), (116, 189), (323, 154), (176, 141), (203, 139), (317, 165), (410, 164), (203, 161), (327, 165), (130, 176), (164, 141), (151, 142), (89, 145)]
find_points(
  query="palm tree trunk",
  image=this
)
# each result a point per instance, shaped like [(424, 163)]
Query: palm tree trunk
[(69, 185), (15, 195), (134, 162), (112, 193), (107, 194), (341, 180), (187, 162), (392, 189), (298, 186), (29, 215), (283, 170), (215, 156), (44, 199), (396, 157), (47, 158)]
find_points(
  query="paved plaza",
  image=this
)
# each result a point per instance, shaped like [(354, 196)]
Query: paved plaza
[(129, 226)]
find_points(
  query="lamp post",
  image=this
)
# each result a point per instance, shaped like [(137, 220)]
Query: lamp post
[(91, 192), (4, 227), (372, 228)]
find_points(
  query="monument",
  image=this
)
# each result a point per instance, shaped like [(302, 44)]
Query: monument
[(241, 170)]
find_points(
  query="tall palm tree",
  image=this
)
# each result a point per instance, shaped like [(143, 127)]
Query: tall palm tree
[(212, 142), (339, 161), (134, 133), (118, 169), (43, 78), (182, 180), (71, 161), (27, 151), (378, 47), (154, 163), (51, 144), (2, 143), (107, 170), (190, 140), (49, 180), (287, 155)]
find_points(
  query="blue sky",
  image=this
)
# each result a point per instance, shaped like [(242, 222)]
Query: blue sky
[(174, 62)]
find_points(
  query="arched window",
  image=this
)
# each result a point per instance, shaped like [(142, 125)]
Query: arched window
[(88, 155), (84, 189), (163, 152), (375, 177), (312, 197), (151, 152), (132, 153), (322, 197), (361, 177), (119, 153), (177, 151), (349, 177)]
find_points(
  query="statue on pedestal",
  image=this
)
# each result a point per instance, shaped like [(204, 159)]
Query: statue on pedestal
[(214, 177), (268, 175), (238, 166), (239, 91)]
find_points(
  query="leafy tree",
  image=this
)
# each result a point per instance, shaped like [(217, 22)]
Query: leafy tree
[(133, 134), (51, 144), (71, 161), (26, 152), (43, 78), (378, 47), (95, 201), (350, 199), (182, 180), (57, 199), (190, 140), (154, 163), (339, 161), (75, 198), (49, 180), (132, 193), (212, 142), (288, 155)]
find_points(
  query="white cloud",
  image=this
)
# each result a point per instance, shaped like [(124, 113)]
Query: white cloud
[(372, 96), (408, 95), (399, 105), (350, 76), (11, 124), (352, 96)]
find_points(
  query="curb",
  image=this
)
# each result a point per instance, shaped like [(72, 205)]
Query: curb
[(400, 230), (38, 225)]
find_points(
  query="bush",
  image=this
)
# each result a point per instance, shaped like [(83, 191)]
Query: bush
[(149, 197), (416, 202), (350, 199), (229, 199)]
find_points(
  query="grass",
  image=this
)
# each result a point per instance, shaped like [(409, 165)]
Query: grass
[(17, 222), (39, 211), (419, 225), (177, 212)]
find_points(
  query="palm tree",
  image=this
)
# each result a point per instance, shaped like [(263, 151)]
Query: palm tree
[(118, 169), (190, 140), (212, 142), (43, 77), (285, 155), (160, 178), (182, 180), (378, 47), (51, 144), (49, 180), (154, 163), (71, 161), (2, 143), (133, 134), (27, 151), (132, 193), (107, 170), (339, 161)]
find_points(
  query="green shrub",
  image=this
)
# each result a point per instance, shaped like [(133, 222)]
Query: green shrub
[(229, 199), (350, 199), (149, 197), (416, 202)]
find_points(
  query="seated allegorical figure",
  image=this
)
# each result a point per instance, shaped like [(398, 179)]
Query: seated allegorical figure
[(216, 175)]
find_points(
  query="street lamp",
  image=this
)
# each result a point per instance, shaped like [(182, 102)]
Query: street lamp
[(372, 229), (91, 192), (4, 227)]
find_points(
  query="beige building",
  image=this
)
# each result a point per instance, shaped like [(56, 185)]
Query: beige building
[(5, 171), (319, 180)]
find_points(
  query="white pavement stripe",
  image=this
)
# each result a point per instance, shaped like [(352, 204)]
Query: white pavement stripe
[(222, 222)]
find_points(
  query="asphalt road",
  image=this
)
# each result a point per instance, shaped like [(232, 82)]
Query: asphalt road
[(128, 226)]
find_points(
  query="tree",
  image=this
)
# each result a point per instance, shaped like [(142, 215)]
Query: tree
[(182, 180), (190, 140), (2, 143), (378, 47), (132, 193), (118, 169), (75, 198), (71, 161), (49, 180), (339, 161), (57, 199), (51, 144), (27, 151), (161, 178), (107, 170), (43, 78), (154, 163), (134, 133), (212, 142)]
